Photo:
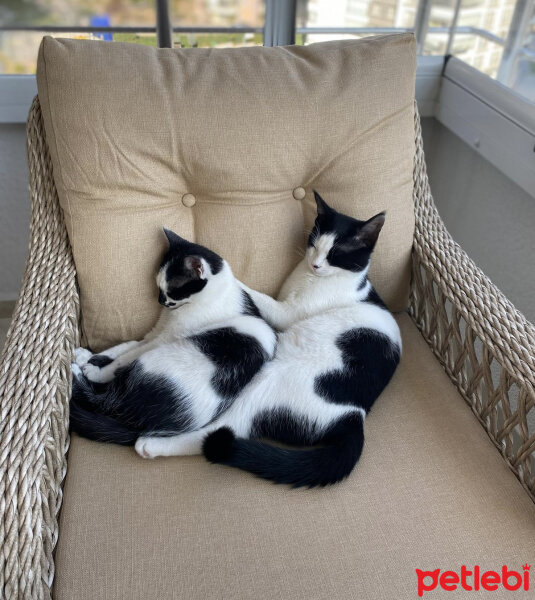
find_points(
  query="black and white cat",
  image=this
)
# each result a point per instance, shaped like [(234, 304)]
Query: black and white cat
[(338, 349), (206, 347)]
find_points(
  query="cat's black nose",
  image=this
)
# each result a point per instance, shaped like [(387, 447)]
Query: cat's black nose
[(316, 266)]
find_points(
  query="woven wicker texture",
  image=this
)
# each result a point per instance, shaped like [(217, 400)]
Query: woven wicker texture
[(35, 389), (485, 345)]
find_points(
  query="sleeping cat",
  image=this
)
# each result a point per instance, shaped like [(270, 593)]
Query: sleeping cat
[(338, 349), (208, 344)]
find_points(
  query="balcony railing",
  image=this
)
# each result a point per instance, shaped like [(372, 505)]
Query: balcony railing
[(280, 29)]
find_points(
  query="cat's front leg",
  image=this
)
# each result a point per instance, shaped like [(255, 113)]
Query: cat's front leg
[(279, 315), (103, 373), (116, 351), (82, 356)]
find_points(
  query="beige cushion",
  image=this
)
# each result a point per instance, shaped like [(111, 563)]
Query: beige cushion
[(430, 491), (132, 130)]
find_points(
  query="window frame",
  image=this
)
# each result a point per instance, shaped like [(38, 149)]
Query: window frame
[(483, 112)]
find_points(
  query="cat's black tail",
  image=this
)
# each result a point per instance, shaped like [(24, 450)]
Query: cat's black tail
[(92, 424), (328, 464)]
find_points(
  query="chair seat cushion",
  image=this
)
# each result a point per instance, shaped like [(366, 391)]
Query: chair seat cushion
[(430, 491), (225, 147)]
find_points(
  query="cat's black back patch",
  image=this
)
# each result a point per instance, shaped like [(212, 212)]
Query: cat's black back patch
[(249, 307), (237, 356), (370, 360)]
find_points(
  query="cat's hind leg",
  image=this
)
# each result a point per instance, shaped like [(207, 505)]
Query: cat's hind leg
[(185, 444), (191, 442)]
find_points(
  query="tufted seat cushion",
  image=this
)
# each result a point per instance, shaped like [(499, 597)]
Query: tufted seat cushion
[(225, 147)]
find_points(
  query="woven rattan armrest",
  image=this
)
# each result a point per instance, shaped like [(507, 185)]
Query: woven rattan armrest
[(486, 346), (35, 389)]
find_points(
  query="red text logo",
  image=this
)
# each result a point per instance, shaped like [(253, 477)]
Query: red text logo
[(475, 580)]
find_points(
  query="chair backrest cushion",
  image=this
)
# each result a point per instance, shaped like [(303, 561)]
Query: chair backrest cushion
[(225, 147)]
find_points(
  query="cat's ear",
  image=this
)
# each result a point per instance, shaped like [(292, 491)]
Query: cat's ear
[(322, 206), (195, 264), (369, 231), (172, 237)]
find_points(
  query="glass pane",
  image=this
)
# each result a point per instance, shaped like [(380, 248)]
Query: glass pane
[(369, 14), (519, 72), (217, 40), (478, 52), (441, 16), (497, 37), (18, 49), (77, 12), (492, 17), (475, 19), (217, 13)]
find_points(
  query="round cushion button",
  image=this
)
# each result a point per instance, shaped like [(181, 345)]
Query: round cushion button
[(299, 193), (188, 200)]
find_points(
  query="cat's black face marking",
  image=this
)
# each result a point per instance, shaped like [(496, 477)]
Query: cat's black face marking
[(186, 289), (183, 270), (353, 241), (179, 247)]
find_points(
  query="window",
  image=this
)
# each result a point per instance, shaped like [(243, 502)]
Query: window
[(496, 37), (199, 23), (517, 67), (319, 20)]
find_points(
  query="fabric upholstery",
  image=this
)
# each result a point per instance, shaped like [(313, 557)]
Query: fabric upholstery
[(430, 491), (219, 145)]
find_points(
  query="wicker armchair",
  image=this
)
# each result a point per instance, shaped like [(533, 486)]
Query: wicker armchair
[(485, 345)]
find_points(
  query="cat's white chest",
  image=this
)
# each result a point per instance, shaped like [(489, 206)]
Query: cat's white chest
[(311, 295)]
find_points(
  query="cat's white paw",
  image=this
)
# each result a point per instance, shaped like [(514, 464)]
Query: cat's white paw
[(81, 356), (93, 373), (75, 370), (146, 447)]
